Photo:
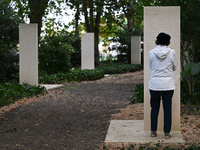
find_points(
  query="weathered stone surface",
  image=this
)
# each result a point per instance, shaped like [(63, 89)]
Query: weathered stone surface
[(87, 51), (28, 40), (136, 50), (161, 19)]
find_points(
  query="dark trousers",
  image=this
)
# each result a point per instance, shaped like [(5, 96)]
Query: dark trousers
[(167, 108)]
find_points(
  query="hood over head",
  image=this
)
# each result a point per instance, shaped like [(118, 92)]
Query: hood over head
[(162, 51)]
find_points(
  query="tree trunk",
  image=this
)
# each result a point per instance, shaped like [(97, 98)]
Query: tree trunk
[(96, 29), (96, 39), (37, 9), (91, 16), (129, 14), (87, 24), (77, 18)]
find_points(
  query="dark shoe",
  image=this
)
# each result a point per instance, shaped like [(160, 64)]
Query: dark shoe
[(167, 135), (153, 134)]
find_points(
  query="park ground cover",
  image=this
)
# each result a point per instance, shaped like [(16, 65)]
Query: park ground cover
[(77, 116)]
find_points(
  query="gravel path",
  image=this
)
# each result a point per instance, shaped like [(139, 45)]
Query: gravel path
[(76, 116)]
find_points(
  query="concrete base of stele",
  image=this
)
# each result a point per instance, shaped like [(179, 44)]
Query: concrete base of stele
[(52, 86), (133, 131)]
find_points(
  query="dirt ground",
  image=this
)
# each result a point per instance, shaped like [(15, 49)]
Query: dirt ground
[(77, 116)]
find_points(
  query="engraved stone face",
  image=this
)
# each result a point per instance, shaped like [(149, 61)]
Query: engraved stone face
[(161, 19), (153, 12)]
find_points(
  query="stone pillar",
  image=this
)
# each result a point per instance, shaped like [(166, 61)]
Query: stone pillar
[(135, 49), (87, 51), (161, 19), (28, 53)]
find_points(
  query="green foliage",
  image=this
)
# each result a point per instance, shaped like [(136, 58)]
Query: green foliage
[(86, 75), (68, 41), (138, 96), (192, 71), (9, 22), (76, 55), (54, 78), (9, 38), (74, 75), (8, 65), (54, 52), (194, 97), (12, 91), (191, 68), (120, 68), (190, 84), (104, 147)]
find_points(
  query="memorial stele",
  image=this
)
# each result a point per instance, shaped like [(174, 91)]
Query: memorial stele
[(28, 53), (161, 19), (87, 51), (135, 49)]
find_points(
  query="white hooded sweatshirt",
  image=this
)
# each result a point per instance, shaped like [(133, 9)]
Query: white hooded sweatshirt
[(162, 62)]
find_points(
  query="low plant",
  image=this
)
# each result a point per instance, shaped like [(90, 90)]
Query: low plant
[(76, 54), (120, 68), (193, 98), (8, 64), (75, 75), (12, 91), (86, 75), (138, 94), (51, 79)]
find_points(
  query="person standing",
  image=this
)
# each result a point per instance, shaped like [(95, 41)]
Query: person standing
[(162, 62)]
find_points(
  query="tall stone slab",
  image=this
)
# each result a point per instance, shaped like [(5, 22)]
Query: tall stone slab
[(87, 51), (161, 19), (135, 49), (28, 53)]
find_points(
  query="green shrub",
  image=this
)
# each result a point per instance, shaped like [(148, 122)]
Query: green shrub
[(10, 92), (9, 22), (190, 98), (55, 52), (51, 79), (86, 75), (138, 96), (120, 68), (74, 75), (9, 68), (76, 54), (194, 97), (9, 38)]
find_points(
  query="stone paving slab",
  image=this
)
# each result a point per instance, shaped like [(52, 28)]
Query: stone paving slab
[(52, 86), (133, 131)]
